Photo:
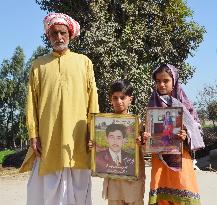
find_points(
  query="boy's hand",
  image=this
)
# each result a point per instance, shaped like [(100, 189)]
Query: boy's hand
[(141, 140), (138, 140), (182, 134), (91, 144)]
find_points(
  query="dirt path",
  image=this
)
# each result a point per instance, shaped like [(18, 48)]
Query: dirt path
[(13, 188)]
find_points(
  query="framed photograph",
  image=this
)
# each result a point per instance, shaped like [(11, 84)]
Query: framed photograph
[(164, 124), (115, 154)]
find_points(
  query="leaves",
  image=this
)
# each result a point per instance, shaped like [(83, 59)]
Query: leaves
[(129, 38), (207, 103), (12, 95)]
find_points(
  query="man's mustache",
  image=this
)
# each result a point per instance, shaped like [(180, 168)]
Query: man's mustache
[(59, 41)]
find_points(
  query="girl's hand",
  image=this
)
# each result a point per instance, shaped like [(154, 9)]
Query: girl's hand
[(91, 144), (146, 135), (182, 134)]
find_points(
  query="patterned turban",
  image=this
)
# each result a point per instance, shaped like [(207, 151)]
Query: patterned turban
[(62, 19)]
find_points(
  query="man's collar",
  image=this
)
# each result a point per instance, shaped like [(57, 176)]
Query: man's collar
[(113, 154), (58, 55)]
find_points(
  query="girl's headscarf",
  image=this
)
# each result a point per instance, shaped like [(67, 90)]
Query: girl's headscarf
[(179, 99)]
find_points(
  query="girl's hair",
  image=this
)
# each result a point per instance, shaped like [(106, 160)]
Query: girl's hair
[(162, 68), (121, 86)]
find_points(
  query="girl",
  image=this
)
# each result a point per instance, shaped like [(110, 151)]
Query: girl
[(121, 191), (170, 187)]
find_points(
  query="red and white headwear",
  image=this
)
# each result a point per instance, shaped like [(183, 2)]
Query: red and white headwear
[(62, 19)]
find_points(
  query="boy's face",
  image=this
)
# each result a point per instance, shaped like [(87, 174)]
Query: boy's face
[(115, 140), (164, 83), (120, 102)]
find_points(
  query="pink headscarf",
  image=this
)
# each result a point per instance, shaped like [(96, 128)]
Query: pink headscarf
[(62, 19)]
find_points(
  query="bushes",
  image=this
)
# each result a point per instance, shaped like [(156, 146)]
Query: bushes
[(210, 136), (210, 140), (14, 159), (4, 154)]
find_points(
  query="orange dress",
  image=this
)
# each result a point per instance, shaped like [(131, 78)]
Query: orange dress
[(179, 187)]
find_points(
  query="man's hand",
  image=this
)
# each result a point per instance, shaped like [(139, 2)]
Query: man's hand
[(35, 144)]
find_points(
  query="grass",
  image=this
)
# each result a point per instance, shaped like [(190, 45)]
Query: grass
[(4, 153)]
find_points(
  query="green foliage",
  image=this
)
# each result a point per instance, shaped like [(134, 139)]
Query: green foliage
[(5, 153), (129, 38), (101, 139), (12, 97), (212, 111), (207, 103), (210, 140)]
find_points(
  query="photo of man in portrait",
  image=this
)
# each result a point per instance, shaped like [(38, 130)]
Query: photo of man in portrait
[(114, 159)]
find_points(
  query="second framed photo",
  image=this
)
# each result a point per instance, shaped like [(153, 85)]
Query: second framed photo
[(164, 124), (115, 154)]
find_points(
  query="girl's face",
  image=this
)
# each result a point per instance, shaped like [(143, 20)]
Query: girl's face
[(120, 102), (163, 83)]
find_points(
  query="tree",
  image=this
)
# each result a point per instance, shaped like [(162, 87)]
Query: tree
[(12, 97), (212, 111), (129, 38), (207, 103)]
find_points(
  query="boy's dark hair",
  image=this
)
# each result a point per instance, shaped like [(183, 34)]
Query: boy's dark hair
[(122, 86), (114, 127), (162, 68)]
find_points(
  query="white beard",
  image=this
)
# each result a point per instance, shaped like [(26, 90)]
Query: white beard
[(60, 47)]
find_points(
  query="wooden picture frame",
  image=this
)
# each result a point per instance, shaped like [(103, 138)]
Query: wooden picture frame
[(164, 124), (110, 134)]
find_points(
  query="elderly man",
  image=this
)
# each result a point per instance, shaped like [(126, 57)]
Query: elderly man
[(61, 94)]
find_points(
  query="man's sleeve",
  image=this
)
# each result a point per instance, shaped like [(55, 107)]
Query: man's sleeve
[(93, 106), (32, 104)]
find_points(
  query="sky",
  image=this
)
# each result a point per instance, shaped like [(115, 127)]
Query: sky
[(21, 25)]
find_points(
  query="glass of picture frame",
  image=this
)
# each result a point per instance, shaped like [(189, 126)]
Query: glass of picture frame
[(164, 124), (115, 153)]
